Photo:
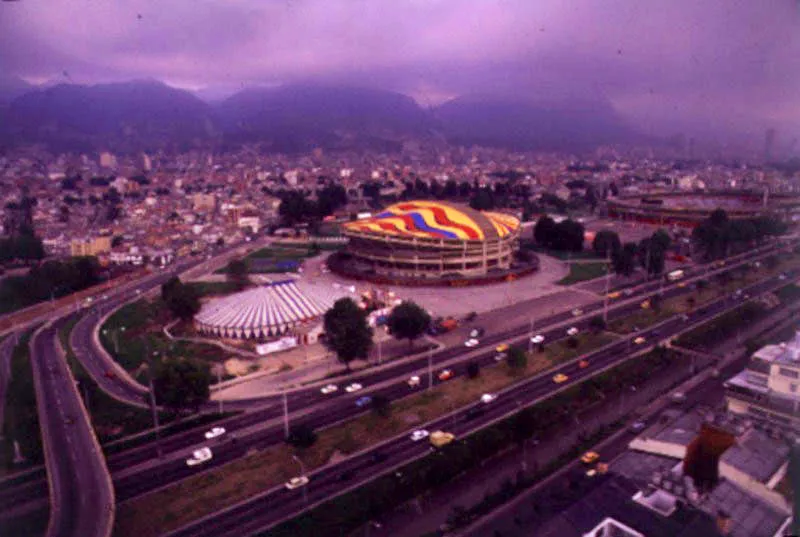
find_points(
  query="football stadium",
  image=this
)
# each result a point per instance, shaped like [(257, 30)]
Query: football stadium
[(430, 241)]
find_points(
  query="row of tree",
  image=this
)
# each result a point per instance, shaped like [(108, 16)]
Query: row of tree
[(650, 253), (51, 279), (718, 236), (564, 236), (297, 208), (24, 246)]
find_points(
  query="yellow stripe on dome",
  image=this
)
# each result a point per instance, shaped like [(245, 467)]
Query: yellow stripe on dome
[(455, 216)]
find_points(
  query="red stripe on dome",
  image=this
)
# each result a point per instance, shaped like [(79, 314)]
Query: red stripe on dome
[(440, 215)]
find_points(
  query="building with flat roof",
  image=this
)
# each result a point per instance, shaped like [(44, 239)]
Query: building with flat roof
[(767, 389)]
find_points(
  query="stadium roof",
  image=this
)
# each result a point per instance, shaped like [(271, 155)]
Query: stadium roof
[(263, 311), (436, 220)]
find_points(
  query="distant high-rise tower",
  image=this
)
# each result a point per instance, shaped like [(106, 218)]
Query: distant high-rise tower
[(769, 144)]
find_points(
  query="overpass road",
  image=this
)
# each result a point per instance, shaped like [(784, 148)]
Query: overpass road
[(81, 494)]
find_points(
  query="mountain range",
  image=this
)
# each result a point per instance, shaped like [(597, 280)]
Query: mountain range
[(149, 115)]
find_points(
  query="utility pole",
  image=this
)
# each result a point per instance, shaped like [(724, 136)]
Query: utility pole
[(530, 338), (608, 282), (285, 413), (380, 352), (219, 379), (153, 401), (430, 368), (302, 473)]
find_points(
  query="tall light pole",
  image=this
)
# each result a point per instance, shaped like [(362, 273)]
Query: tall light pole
[(608, 282), (430, 368), (153, 404), (285, 413), (219, 379), (302, 473), (530, 338)]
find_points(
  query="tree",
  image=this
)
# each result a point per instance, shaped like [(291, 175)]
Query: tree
[(569, 236), (182, 300), (181, 383), (301, 436), (624, 260), (597, 323), (381, 406), (482, 200), (606, 242), (347, 332), (408, 321), (473, 369), (237, 273), (517, 358), (543, 230)]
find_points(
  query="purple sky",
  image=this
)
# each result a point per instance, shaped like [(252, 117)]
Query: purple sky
[(703, 65)]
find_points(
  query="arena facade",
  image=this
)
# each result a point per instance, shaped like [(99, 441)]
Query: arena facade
[(689, 208), (430, 241)]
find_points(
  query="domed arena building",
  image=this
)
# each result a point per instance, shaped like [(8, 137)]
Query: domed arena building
[(262, 312), (423, 242)]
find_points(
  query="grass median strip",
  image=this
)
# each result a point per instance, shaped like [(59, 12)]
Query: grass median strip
[(579, 272), (197, 496)]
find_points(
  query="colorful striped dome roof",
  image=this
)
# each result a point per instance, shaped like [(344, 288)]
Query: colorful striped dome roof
[(437, 220)]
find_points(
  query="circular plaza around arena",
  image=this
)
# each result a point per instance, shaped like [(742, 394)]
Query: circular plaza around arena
[(432, 243)]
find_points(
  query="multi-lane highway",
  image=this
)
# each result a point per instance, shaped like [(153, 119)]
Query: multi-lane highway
[(278, 504), (136, 471), (81, 494)]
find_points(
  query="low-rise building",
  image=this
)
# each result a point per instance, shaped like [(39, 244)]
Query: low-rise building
[(767, 389)]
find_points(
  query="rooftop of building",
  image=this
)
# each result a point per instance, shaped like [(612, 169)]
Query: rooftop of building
[(436, 220)]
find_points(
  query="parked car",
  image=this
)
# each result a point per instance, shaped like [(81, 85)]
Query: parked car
[(215, 432), (441, 438), (296, 482), (361, 402), (330, 388), (590, 457), (419, 434), (199, 456), (354, 387), (638, 426), (560, 378), (488, 397)]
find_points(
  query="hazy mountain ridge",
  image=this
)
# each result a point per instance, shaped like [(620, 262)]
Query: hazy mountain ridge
[(147, 114)]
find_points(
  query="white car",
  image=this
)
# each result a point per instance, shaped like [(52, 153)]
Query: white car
[(296, 482), (330, 388), (199, 456), (577, 312), (471, 342), (572, 331), (488, 397), (354, 387), (413, 382), (537, 339), (419, 434), (215, 432)]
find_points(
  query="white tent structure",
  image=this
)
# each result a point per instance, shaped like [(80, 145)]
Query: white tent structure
[(262, 312)]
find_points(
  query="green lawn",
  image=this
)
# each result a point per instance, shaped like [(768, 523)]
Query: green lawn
[(213, 288), (579, 272)]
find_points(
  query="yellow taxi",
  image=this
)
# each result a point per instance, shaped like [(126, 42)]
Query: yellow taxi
[(639, 340), (590, 457), (560, 378), (503, 347), (441, 438), (646, 304), (615, 294)]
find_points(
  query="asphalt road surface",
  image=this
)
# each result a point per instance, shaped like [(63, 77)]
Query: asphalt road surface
[(81, 492)]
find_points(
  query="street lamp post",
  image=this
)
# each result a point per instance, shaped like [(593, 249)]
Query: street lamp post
[(608, 279), (153, 404), (430, 368), (285, 413), (530, 338), (302, 473)]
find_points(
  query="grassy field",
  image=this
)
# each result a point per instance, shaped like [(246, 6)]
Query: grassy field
[(135, 330), (579, 272), (213, 288), (197, 496)]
